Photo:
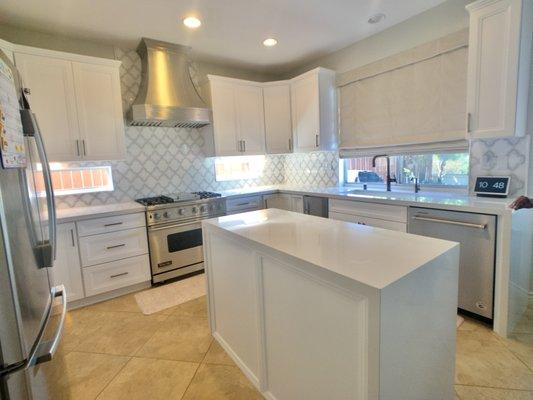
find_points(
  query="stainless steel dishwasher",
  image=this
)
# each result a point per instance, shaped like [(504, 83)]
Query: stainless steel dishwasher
[(477, 235)]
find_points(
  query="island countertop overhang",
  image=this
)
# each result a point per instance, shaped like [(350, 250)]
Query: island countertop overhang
[(371, 256)]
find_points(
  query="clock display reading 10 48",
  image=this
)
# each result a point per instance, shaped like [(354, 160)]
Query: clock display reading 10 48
[(492, 185)]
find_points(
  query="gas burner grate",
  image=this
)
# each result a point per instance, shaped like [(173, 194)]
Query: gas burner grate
[(207, 195), (154, 201)]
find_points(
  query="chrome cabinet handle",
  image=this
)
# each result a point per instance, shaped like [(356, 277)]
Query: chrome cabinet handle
[(244, 146), (113, 224), (290, 144), (468, 121), (316, 140), (72, 237), (84, 149), (451, 222), (117, 275), (116, 246), (78, 148)]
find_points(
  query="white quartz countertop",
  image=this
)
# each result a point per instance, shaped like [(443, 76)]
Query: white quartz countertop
[(440, 200), (79, 213), (371, 256)]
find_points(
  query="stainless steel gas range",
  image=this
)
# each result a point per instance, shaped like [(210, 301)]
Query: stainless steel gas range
[(175, 231)]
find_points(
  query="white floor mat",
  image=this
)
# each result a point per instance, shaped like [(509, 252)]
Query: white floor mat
[(162, 297)]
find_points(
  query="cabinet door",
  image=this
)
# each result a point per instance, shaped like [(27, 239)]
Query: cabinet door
[(67, 270), (278, 125), (99, 104), (306, 113), (250, 118), (224, 119), (297, 203), (278, 200), (52, 99), (493, 63)]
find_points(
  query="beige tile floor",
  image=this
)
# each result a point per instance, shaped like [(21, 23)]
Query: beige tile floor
[(111, 351)]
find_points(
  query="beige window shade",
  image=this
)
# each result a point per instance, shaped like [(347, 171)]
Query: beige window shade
[(410, 99)]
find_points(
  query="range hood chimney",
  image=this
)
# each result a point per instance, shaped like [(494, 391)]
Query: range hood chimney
[(167, 96)]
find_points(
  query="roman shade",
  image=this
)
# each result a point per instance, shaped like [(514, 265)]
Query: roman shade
[(414, 101)]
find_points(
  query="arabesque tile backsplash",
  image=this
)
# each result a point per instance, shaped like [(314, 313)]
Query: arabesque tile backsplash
[(168, 160)]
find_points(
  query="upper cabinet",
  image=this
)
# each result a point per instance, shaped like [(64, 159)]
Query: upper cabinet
[(498, 67), (278, 124), (238, 117), (274, 117), (77, 101), (314, 111)]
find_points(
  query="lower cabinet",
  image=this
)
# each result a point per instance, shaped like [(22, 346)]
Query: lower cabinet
[(244, 204), (103, 261), (285, 201), (372, 214), (115, 275), (67, 268)]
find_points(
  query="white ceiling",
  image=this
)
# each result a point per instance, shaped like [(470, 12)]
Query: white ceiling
[(232, 30)]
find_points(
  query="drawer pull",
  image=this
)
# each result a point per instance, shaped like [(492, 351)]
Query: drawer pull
[(115, 246), (113, 224), (243, 204), (117, 275)]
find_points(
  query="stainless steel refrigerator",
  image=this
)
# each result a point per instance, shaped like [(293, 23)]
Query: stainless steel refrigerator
[(28, 300)]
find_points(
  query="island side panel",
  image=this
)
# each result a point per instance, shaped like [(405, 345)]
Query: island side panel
[(320, 338), (232, 298), (418, 332)]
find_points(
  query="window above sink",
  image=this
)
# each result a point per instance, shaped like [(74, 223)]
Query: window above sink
[(435, 170)]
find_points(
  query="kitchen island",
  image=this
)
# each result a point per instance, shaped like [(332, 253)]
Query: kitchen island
[(311, 308)]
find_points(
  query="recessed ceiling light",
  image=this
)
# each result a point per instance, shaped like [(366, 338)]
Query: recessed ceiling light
[(270, 42), (374, 19), (192, 22)]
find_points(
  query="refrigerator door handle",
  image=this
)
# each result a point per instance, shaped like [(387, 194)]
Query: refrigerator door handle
[(31, 128), (42, 351), (46, 350)]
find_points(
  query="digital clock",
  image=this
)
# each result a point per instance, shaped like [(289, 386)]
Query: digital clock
[(492, 186)]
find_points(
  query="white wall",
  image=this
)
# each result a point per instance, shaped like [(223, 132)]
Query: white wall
[(439, 21)]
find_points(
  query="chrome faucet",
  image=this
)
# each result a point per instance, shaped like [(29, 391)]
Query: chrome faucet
[(389, 179)]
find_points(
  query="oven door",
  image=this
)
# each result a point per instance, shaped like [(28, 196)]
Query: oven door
[(175, 246)]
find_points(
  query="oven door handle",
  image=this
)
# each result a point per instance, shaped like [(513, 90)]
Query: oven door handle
[(161, 228)]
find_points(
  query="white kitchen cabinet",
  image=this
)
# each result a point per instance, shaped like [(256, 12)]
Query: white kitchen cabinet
[(285, 201), (498, 67), (244, 204), (377, 215), (77, 101), (238, 117), (67, 269), (224, 119), (278, 124), (52, 97), (314, 111), (99, 105)]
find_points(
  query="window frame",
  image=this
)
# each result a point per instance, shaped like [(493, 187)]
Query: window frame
[(343, 166)]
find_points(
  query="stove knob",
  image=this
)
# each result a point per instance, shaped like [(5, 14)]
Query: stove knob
[(194, 210), (202, 208), (166, 214), (181, 211), (157, 216)]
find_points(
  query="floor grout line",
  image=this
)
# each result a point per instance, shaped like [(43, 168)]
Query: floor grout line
[(196, 371), (113, 378)]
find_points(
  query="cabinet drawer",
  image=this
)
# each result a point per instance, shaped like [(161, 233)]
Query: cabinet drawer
[(244, 204), (110, 224), (371, 210), (377, 223), (114, 275), (98, 249)]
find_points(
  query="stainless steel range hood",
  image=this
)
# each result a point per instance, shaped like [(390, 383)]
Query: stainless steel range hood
[(167, 96)]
